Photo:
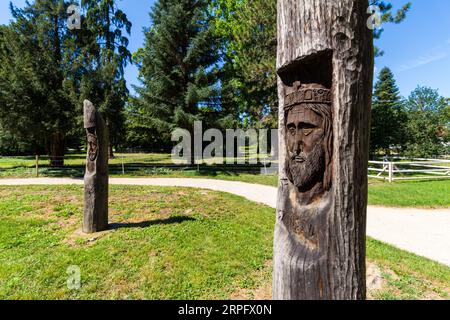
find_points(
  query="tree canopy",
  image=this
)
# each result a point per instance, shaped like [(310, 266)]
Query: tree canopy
[(35, 82), (46, 70), (428, 132), (178, 70)]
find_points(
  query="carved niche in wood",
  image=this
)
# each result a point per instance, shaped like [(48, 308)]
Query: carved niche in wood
[(92, 144), (309, 138), (90, 124)]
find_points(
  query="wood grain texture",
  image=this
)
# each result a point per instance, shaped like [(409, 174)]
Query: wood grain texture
[(334, 266), (96, 178)]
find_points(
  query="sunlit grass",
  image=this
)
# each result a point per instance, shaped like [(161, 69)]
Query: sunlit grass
[(421, 194), (165, 243)]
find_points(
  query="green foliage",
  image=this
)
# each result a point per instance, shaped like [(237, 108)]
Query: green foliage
[(388, 115), (105, 55), (178, 71), (35, 85), (47, 70), (10, 145), (418, 127), (249, 42), (249, 33), (428, 124)]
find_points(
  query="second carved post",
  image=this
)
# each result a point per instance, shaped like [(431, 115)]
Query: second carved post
[(96, 177)]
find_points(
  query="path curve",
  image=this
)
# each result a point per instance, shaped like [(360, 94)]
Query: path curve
[(423, 232)]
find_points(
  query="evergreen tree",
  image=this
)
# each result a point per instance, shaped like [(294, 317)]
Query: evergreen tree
[(36, 106), (249, 37), (388, 116), (106, 55), (178, 70)]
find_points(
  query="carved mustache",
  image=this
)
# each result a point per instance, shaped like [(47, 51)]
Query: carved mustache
[(299, 158)]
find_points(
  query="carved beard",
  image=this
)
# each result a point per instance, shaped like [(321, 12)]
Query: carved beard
[(307, 174)]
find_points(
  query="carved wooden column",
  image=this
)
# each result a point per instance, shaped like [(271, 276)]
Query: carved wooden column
[(96, 176), (325, 67)]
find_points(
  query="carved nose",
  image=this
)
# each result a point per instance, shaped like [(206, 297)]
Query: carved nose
[(298, 146)]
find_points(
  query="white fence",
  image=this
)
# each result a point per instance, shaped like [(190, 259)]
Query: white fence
[(418, 169)]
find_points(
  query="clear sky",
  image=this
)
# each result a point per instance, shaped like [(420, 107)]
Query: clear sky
[(417, 50)]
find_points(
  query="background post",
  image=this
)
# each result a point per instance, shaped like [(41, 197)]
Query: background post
[(37, 166), (96, 178)]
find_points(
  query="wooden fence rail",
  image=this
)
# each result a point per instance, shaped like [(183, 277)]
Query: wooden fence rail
[(424, 169)]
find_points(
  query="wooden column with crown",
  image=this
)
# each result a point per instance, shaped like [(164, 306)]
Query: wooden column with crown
[(325, 68)]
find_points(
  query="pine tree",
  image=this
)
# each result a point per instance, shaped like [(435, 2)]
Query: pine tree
[(34, 84), (388, 116), (178, 69), (106, 54)]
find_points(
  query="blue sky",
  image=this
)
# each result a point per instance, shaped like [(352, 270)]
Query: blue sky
[(417, 50)]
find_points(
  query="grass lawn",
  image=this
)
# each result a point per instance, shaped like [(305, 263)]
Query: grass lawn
[(419, 194), (165, 243)]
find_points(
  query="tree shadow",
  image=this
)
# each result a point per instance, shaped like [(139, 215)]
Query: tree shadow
[(146, 224)]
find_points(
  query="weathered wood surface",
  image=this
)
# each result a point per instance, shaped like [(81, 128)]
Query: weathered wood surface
[(96, 177), (319, 248)]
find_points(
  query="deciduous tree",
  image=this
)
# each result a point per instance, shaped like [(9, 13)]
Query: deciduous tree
[(428, 123)]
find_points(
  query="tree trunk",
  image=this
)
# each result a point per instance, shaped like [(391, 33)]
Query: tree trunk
[(57, 149), (325, 68), (111, 151)]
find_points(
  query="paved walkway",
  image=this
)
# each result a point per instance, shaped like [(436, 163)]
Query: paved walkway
[(424, 232)]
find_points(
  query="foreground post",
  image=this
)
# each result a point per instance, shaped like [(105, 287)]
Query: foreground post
[(325, 67), (96, 177)]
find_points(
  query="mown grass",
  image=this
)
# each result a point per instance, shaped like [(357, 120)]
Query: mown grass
[(419, 194), (164, 243), (408, 276)]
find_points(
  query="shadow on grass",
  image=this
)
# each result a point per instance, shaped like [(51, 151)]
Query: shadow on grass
[(146, 224)]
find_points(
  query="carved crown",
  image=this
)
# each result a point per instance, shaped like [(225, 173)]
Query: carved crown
[(309, 93)]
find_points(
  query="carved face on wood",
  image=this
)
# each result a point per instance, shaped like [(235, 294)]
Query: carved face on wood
[(306, 154), (308, 141), (92, 144)]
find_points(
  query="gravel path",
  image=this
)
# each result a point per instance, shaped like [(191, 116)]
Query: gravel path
[(424, 232)]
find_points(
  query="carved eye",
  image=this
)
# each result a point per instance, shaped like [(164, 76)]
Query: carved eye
[(307, 128), (292, 130)]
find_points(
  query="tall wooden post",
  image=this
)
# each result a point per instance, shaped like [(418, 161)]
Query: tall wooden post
[(95, 217), (37, 165), (325, 68)]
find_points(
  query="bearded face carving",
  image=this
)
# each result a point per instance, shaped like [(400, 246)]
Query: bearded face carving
[(92, 145), (309, 137)]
